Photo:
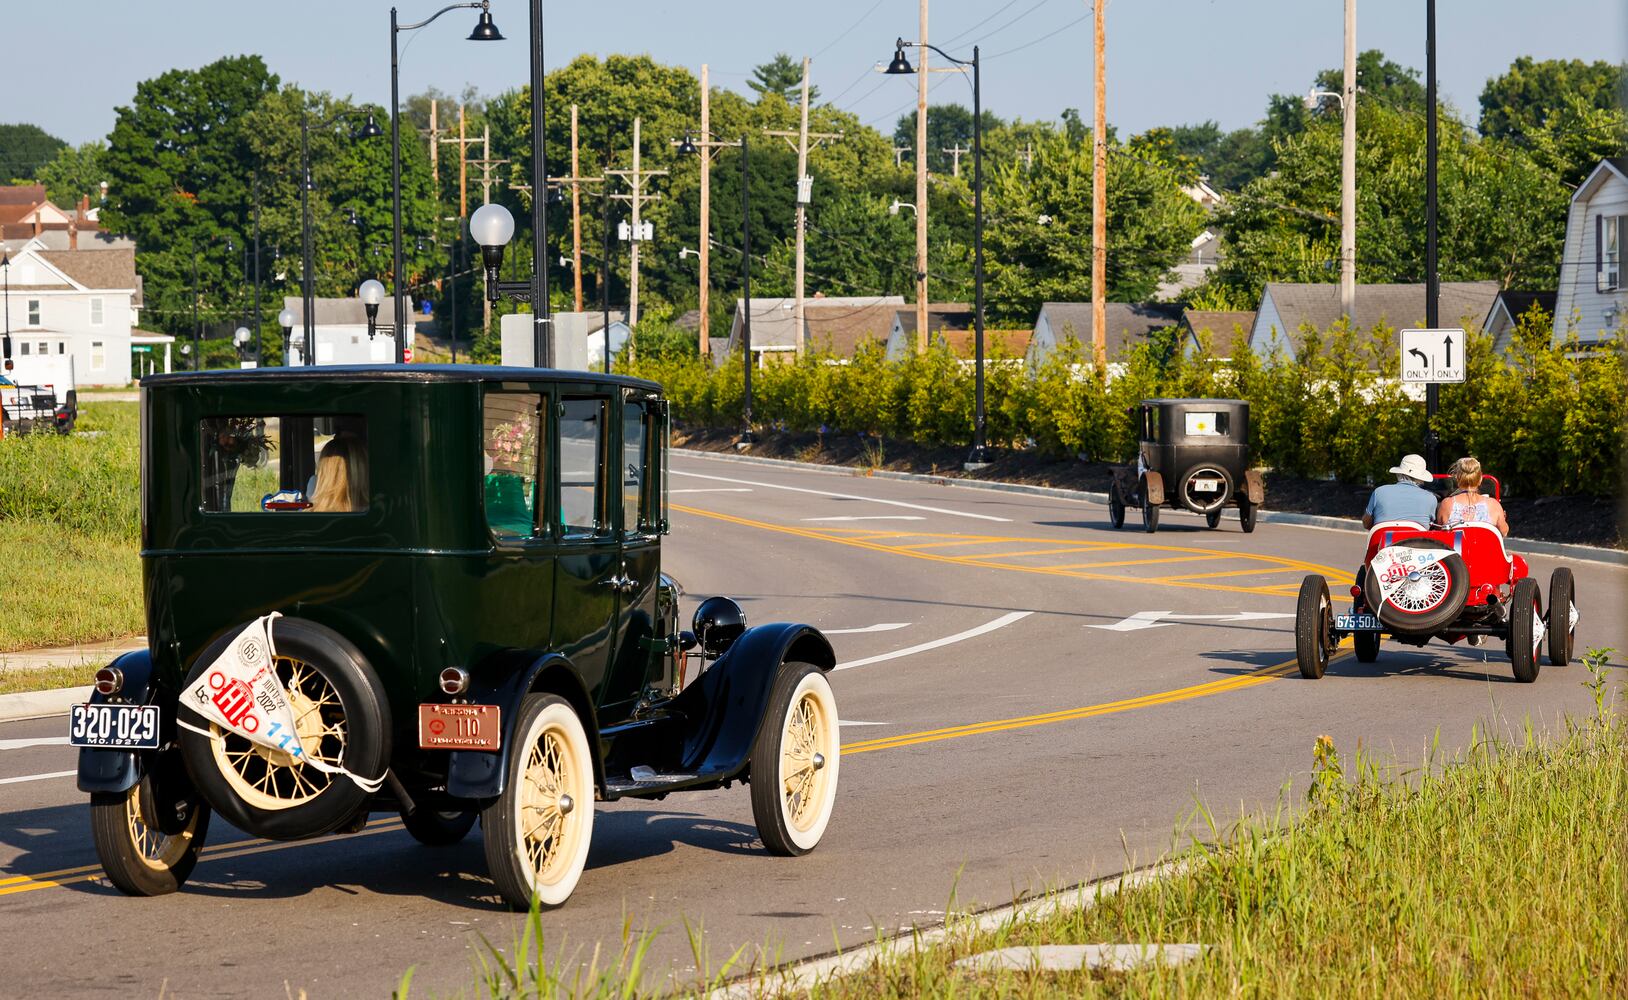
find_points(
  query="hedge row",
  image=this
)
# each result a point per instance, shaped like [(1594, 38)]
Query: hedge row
[(1547, 418)]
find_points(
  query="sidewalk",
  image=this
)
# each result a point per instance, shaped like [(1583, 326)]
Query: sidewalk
[(98, 653)]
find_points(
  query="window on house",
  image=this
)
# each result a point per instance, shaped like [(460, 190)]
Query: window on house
[(24, 346), (96, 312), (98, 356), (33, 312), (44, 348), (1608, 240), (62, 347)]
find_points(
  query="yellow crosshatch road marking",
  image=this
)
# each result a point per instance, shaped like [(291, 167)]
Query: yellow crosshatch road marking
[(1146, 562), (1228, 572), (916, 551), (1058, 550)]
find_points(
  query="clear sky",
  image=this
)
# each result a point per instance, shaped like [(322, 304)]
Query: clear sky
[(69, 64)]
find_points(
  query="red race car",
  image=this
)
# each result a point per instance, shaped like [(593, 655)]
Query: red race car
[(1449, 583)]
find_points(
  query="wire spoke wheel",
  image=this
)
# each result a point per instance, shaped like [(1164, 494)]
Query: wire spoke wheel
[(1422, 590), (802, 760), (538, 831), (273, 779), (139, 857)]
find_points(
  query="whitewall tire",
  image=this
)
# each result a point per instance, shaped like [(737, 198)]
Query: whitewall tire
[(795, 761)]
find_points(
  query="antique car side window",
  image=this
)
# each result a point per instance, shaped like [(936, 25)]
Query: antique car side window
[(635, 451), (511, 432), (284, 464), (582, 464), (1150, 423)]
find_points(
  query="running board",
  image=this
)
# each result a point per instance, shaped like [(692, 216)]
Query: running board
[(643, 782)]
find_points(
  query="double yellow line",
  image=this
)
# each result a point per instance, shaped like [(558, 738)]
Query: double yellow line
[(12, 884)]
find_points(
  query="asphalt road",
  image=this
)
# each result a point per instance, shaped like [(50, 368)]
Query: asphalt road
[(998, 737)]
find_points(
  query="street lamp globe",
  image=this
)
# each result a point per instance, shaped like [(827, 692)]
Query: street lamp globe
[(491, 226), (286, 319), (240, 336), (371, 293)]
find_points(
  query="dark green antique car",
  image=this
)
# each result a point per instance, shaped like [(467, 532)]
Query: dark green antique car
[(457, 571)]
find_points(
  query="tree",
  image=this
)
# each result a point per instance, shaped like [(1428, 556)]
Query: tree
[(24, 149), (1383, 81), (1500, 211), (1531, 91), (948, 126), (783, 76), (1037, 247), (1229, 159), (74, 172), (1575, 137)]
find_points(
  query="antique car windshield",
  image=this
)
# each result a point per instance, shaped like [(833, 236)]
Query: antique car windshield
[(284, 464)]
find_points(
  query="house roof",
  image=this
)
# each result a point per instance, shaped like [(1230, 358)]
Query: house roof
[(108, 268), (942, 316), (1611, 164), (18, 201), (839, 330), (340, 312), (1128, 322), (963, 343), (1225, 327), (774, 324), (1517, 304), (1396, 305)]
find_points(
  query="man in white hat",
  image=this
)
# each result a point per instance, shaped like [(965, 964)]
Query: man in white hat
[(1407, 499)]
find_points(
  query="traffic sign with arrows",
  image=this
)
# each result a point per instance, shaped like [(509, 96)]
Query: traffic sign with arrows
[(1433, 356)]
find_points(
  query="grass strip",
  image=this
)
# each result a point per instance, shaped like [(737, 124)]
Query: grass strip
[(14, 680), (1497, 873)]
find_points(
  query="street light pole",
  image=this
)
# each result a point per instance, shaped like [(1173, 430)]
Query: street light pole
[(485, 31), (257, 346), (605, 277), (746, 290), (978, 457)]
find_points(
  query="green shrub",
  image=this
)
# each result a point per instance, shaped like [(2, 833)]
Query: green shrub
[(1547, 418)]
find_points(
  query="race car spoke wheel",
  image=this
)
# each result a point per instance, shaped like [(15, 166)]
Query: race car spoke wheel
[(795, 760), (1426, 602), (272, 779), (138, 857), (538, 830), (1426, 590)]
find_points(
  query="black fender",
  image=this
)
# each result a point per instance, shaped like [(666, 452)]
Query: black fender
[(108, 770), (505, 680), (1254, 486), (726, 703)]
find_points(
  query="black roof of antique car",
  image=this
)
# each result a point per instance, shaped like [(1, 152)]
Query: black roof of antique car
[(393, 373), (1167, 402)]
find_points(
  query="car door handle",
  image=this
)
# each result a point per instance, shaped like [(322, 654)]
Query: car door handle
[(622, 583)]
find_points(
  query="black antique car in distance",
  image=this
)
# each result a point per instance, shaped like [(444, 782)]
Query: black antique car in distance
[(458, 569), (1193, 455)]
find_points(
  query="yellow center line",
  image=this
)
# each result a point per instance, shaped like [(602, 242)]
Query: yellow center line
[(235, 849), (1263, 675)]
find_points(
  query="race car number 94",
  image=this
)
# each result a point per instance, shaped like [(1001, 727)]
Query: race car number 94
[(130, 727)]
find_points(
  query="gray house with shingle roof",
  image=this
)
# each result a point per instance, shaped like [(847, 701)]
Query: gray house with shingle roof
[(1286, 308), (1129, 324)]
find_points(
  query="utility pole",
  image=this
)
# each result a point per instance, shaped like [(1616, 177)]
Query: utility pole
[(1348, 171), (956, 151), (637, 197), (463, 143), (805, 185), (575, 181), (435, 147), (486, 181), (1099, 199), (921, 188), (704, 299)]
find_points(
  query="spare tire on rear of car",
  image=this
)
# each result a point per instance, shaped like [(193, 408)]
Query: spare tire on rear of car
[(1430, 602), (343, 718)]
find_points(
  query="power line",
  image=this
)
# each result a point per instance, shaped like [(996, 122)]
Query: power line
[(1000, 10), (846, 31), (1046, 37)]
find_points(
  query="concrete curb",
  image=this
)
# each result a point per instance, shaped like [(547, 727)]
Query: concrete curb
[(96, 654), (1524, 546), (40, 704)]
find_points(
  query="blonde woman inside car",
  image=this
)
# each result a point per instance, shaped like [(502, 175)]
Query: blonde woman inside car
[(1467, 504), (341, 485)]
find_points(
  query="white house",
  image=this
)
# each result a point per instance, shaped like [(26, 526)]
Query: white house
[(1286, 307), (80, 302), (1507, 311), (1592, 299), (341, 332)]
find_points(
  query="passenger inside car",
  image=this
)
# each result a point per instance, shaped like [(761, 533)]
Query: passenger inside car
[(1467, 504), (341, 481), (1407, 499)]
